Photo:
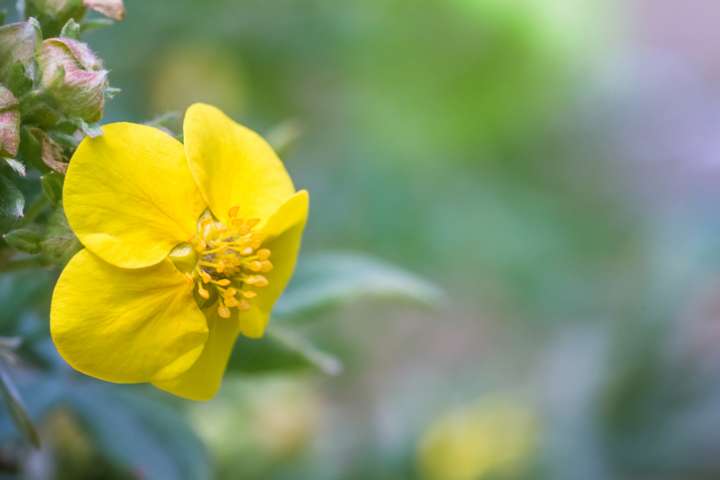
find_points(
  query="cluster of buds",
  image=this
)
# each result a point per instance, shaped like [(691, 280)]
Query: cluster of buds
[(52, 93), (52, 86)]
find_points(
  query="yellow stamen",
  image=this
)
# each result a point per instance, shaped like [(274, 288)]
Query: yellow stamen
[(223, 311), (230, 261), (257, 281)]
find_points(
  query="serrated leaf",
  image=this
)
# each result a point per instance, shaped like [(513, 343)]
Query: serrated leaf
[(281, 349), (326, 280), (12, 203), (17, 409)]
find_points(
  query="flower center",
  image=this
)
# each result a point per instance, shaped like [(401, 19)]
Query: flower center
[(228, 262)]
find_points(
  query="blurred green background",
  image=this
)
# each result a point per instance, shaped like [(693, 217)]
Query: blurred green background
[(552, 165)]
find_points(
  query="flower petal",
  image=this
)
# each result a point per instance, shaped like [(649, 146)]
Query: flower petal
[(129, 195), (126, 326), (233, 166), (283, 232), (202, 381)]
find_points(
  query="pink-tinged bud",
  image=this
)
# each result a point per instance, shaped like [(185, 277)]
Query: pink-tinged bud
[(9, 123), (51, 153), (17, 49), (74, 76), (110, 8)]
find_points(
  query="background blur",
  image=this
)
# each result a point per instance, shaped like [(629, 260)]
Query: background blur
[(552, 165)]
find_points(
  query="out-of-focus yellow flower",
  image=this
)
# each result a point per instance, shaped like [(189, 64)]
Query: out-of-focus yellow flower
[(186, 246), (493, 436)]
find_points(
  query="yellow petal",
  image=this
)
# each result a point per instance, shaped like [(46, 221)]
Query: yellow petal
[(283, 232), (123, 325), (129, 195), (233, 166), (202, 381)]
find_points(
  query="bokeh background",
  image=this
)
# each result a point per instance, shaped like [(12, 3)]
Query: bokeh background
[(552, 165)]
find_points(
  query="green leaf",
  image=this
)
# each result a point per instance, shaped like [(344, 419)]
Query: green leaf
[(142, 434), (280, 349), (16, 166), (26, 239), (133, 428), (60, 243), (52, 184), (12, 203), (16, 407), (323, 281)]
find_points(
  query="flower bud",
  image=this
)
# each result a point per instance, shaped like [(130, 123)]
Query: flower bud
[(9, 123), (110, 8), (17, 49), (74, 76), (53, 14)]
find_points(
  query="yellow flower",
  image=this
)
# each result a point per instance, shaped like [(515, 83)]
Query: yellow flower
[(493, 437), (186, 246)]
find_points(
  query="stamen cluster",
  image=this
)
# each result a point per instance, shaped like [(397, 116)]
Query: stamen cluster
[(230, 262)]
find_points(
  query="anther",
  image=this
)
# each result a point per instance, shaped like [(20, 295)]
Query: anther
[(230, 261), (223, 311)]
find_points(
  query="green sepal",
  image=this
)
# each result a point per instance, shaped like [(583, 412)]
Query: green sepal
[(25, 239), (71, 29)]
